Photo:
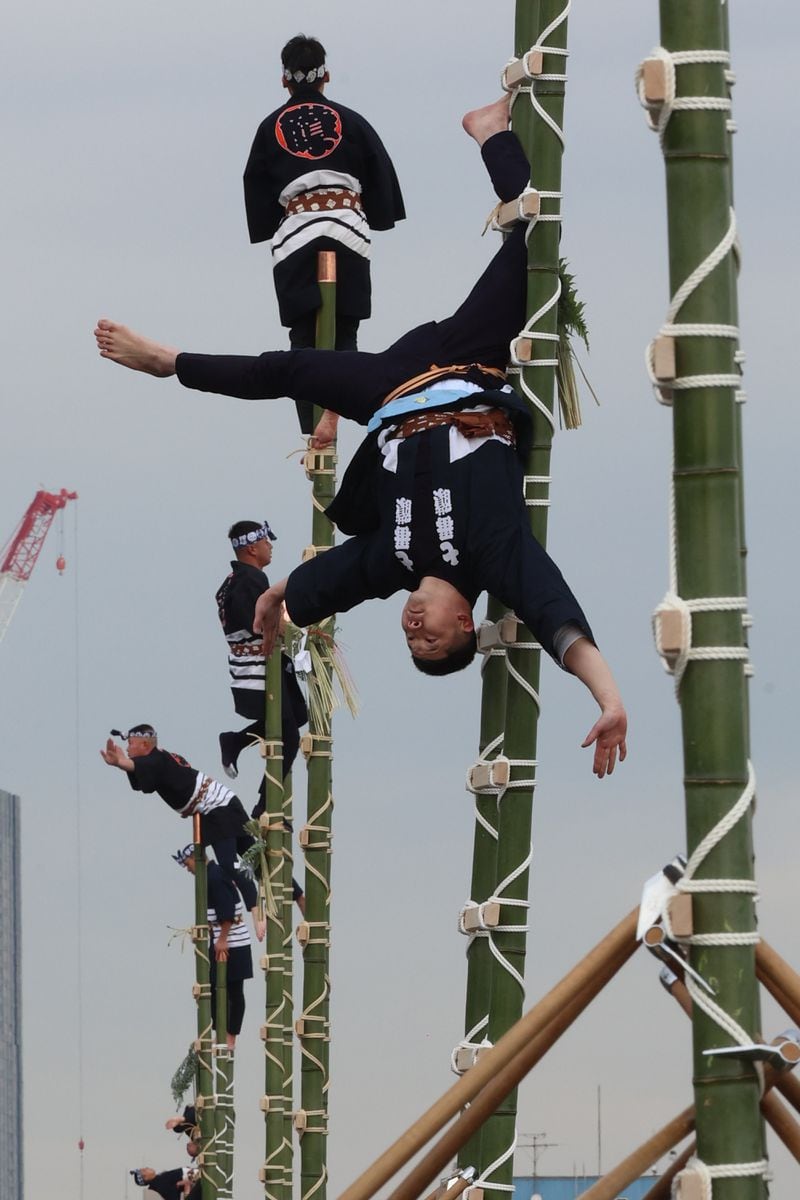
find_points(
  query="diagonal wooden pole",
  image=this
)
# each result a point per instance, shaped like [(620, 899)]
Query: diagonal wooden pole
[(621, 938)]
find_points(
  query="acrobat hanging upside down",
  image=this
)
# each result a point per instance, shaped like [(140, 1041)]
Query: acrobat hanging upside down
[(434, 495)]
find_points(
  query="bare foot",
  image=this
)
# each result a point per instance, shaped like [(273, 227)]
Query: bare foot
[(325, 433), (483, 123), (130, 349)]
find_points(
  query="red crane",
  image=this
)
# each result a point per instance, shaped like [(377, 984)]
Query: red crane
[(23, 550)]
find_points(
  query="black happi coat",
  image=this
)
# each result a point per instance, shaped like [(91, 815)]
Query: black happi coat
[(490, 546), (236, 605), (167, 774), (166, 1184), (307, 135)]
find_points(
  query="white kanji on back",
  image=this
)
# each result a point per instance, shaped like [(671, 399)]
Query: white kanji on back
[(442, 504)]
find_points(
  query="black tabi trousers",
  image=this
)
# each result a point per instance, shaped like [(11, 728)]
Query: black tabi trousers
[(354, 384), (303, 336)]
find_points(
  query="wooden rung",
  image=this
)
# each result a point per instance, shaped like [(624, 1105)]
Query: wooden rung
[(197, 990), (263, 1104), (523, 349), (680, 915), (688, 1186), (262, 1174), (198, 1045), (480, 776), (654, 80), (670, 631), (262, 1033), (664, 366), (300, 1120), (306, 745), (303, 933), (788, 1049), (504, 633), (509, 214), (300, 1027), (514, 74), (465, 1058), (304, 837), (200, 1103), (473, 1193), (491, 917), (309, 553), (264, 962), (501, 772)]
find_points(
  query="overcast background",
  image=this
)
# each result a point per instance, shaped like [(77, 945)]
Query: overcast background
[(127, 130)]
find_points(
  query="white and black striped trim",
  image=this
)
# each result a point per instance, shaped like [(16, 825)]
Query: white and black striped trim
[(349, 229)]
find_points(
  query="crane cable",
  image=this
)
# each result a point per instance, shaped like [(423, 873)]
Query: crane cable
[(78, 842)]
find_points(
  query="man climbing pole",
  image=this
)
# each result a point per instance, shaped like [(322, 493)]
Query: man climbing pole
[(236, 603), (188, 791), (229, 940), (434, 495), (318, 178), (179, 1184)]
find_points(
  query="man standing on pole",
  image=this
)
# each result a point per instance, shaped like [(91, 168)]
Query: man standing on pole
[(318, 178)]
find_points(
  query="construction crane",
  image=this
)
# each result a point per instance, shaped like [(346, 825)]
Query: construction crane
[(21, 553)]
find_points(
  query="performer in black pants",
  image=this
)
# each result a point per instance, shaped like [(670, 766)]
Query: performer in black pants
[(434, 495), (318, 178), (236, 603), (188, 791)]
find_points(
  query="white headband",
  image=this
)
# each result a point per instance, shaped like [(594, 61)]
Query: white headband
[(255, 535), (308, 76)]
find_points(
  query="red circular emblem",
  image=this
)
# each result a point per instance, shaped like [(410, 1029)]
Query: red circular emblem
[(309, 130)]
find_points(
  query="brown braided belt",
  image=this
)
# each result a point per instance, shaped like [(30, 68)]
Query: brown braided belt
[(192, 806), (324, 200), (471, 424), (245, 649)]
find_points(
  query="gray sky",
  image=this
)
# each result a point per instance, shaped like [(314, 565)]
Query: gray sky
[(122, 197)]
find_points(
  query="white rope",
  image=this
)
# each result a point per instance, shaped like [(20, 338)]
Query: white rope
[(706, 1174), (659, 112), (483, 1181)]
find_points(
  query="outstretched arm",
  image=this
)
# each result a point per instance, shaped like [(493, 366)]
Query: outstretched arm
[(607, 735), (115, 756)]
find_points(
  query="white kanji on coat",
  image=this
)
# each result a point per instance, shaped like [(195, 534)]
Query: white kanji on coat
[(442, 504), (402, 510), (404, 559), (402, 537), (449, 553), (445, 528)]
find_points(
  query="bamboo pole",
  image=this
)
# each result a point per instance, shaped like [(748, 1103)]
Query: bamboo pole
[(314, 1024), (224, 1134), (204, 1101), (288, 984), (462, 1132), (545, 151), (484, 858), (273, 1173), (781, 1121), (708, 547), (493, 1060), (614, 1182)]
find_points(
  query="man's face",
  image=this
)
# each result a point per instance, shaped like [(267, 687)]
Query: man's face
[(262, 553), (137, 746), (434, 627), (189, 863), (148, 1174)]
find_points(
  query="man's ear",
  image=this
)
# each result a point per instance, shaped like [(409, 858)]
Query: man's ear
[(466, 622)]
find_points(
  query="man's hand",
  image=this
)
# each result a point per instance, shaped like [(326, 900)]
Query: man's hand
[(221, 950), (269, 615), (115, 756), (325, 433), (607, 736)]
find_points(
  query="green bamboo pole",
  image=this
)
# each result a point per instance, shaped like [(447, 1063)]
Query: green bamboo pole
[(204, 1044), (314, 1025), (278, 1151), (288, 983), (545, 150), (222, 1057), (484, 860), (709, 539)]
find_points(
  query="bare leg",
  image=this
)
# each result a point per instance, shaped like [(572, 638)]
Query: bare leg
[(483, 123), (130, 349)]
